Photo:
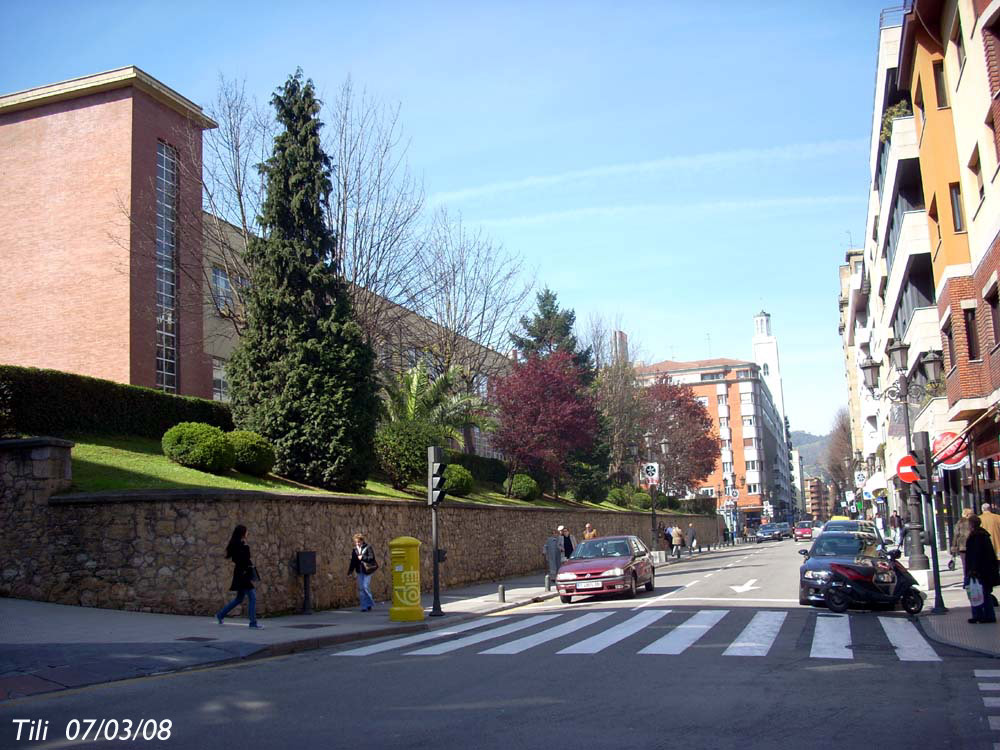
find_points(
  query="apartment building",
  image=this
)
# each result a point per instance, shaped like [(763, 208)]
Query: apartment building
[(799, 485), (755, 456), (818, 499)]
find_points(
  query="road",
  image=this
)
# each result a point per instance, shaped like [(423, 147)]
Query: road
[(719, 655)]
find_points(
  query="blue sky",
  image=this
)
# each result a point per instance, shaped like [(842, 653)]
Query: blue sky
[(678, 166)]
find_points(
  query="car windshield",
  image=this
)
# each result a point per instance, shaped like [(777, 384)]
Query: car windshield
[(601, 548), (841, 526), (804, 525), (842, 546), (767, 528)]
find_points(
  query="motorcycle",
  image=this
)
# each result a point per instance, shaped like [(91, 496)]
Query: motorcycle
[(881, 581)]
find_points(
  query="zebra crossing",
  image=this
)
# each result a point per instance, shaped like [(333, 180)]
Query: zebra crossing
[(833, 636)]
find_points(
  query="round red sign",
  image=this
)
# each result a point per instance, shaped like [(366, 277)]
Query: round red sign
[(905, 469), (949, 450)]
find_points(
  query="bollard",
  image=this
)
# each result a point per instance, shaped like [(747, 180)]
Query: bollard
[(501, 594), (548, 583)]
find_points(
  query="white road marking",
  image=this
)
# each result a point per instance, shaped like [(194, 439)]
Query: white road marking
[(757, 637), (991, 701), (687, 633), (709, 575), (611, 636), (743, 588), (523, 644), (832, 639), (444, 648), (730, 599), (987, 673), (989, 685), (657, 600), (411, 639), (995, 722), (906, 639)]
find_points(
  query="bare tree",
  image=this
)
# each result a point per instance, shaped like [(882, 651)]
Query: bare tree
[(374, 211), (839, 449)]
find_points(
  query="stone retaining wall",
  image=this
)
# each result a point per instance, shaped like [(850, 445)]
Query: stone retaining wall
[(162, 551)]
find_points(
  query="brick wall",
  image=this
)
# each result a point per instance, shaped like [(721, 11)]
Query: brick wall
[(964, 378), (989, 265)]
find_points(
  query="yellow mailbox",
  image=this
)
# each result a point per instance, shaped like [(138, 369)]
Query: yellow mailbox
[(405, 554)]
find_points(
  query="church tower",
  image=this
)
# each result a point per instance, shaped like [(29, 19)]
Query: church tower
[(765, 354)]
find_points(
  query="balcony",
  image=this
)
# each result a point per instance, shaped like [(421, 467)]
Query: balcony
[(902, 146), (911, 240)]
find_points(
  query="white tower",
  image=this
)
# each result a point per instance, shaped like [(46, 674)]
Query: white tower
[(765, 354)]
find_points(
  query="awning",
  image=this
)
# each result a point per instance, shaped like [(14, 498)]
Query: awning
[(875, 482)]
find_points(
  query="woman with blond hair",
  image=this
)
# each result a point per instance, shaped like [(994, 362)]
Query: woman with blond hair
[(364, 565), (959, 539)]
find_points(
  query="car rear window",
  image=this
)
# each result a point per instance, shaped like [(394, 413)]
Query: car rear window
[(841, 546), (601, 548), (804, 525), (768, 528)]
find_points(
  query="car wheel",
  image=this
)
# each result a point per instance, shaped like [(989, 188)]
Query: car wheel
[(836, 600), (651, 583), (632, 588), (912, 601), (565, 599)]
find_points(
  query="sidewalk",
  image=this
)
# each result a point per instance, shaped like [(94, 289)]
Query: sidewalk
[(953, 628), (47, 647)]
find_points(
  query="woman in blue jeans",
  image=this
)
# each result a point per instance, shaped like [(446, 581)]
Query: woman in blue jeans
[(363, 563), (243, 577)]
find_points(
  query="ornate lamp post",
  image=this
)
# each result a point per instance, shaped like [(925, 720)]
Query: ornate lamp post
[(904, 392)]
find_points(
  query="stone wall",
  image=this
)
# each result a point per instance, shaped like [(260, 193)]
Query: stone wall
[(162, 551)]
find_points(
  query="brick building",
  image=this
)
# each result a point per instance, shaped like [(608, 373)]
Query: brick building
[(818, 499)]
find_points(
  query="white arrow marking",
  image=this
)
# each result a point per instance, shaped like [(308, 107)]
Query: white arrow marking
[(748, 586)]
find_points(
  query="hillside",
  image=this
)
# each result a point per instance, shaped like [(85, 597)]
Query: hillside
[(813, 449)]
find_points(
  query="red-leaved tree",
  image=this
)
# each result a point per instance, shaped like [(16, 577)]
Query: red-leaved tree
[(680, 436), (543, 413)]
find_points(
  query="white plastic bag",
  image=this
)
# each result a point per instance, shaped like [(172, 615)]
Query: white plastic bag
[(975, 592)]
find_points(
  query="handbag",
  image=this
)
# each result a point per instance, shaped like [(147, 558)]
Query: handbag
[(254, 575), (369, 567), (975, 592)]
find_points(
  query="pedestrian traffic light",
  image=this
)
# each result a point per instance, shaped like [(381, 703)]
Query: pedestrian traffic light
[(435, 476), (922, 482)]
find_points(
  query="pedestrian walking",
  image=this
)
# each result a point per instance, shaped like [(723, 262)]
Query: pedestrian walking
[(959, 538), (690, 539), (589, 532), (981, 569), (896, 526), (568, 541), (991, 525), (244, 575), (880, 524), (363, 565), (677, 537), (553, 552)]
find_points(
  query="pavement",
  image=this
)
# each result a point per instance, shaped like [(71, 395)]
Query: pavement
[(48, 647)]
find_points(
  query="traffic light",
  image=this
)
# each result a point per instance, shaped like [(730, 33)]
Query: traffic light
[(435, 476), (922, 482)]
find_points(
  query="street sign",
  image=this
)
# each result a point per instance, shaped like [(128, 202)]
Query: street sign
[(651, 472), (906, 469), (860, 477), (734, 493), (849, 496), (950, 451)]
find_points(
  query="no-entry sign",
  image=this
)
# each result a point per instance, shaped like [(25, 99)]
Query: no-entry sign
[(906, 469)]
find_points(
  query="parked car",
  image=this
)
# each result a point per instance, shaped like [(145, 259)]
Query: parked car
[(860, 525), (786, 530), (606, 565), (768, 532), (804, 530)]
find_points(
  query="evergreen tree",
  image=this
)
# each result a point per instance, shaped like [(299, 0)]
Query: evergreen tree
[(550, 330), (303, 375)]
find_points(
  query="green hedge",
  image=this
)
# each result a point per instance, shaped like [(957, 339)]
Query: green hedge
[(50, 402), (483, 469)]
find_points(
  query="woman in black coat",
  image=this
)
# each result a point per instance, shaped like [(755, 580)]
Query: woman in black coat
[(981, 564), (244, 574), (363, 564)]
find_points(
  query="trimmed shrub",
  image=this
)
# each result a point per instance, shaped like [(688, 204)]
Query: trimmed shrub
[(589, 483), (199, 446), (619, 496), (524, 487), (254, 453), (458, 480), (50, 402), (401, 448), (642, 500), (483, 469)]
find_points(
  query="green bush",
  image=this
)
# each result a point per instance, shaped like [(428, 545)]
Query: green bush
[(483, 469), (619, 496), (401, 448), (589, 483), (524, 487), (642, 500), (199, 446), (458, 480), (254, 453), (50, 402)]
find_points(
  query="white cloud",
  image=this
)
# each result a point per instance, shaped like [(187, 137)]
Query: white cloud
[(800, 151)]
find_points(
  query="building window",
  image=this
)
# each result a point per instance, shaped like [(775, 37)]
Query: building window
[(971, 333), (767, 370), (220, 386), (957, 207), (727, 467), (753, 465), (959, 44), (748, 421), (166, 272), (749, 442), (753, 488), (746, 398), (222, 290), (707, 491), (976, 168), (743, 373), (723, 421), (727, 444), (932, 214), (949, 337), (712, 376), (918, 107), (993, 300), (703, 400), (940, 85), (723, 401)]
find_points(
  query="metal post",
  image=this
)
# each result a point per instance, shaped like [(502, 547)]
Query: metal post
[(924, 452), (501, 594), (917, 560), (652, 516), (436, 607), (307, 607)]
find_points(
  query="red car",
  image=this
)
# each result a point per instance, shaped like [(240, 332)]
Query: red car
[(606, 565), (803, 530)]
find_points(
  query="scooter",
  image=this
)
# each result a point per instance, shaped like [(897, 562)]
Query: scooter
[(882, 581)]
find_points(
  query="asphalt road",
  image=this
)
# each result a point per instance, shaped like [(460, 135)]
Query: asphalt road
[(694, 664)]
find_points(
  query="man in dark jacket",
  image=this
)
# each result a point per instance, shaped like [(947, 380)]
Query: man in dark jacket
[(981, 564)]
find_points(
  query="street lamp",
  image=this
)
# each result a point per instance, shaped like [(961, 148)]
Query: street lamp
[(904, 392)]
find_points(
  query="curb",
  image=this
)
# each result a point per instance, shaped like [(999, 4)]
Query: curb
[(933, 636)]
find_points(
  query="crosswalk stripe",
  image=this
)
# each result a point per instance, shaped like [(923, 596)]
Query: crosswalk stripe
[(906, 639), (757, 637), (621, 631), (989, 685), (987, 673), (991, 701), (523, 644), (411, 639), (832, 639), (444, 648), (994, 722), (685, 634)]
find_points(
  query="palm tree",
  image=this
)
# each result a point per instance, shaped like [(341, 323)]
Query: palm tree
[(415, 395)]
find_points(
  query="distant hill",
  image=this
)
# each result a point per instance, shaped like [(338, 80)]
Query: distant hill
[(813, 449)]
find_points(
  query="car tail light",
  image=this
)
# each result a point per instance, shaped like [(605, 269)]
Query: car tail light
[(850, 573)]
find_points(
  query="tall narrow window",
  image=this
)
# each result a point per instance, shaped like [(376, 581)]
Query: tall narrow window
[(166, 273), (949, 337), (959, 43), (918, 107), (940, 84), (971, 333), (957, 207), (932, 214), (220, 385), (993, 300), (977, 171)]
